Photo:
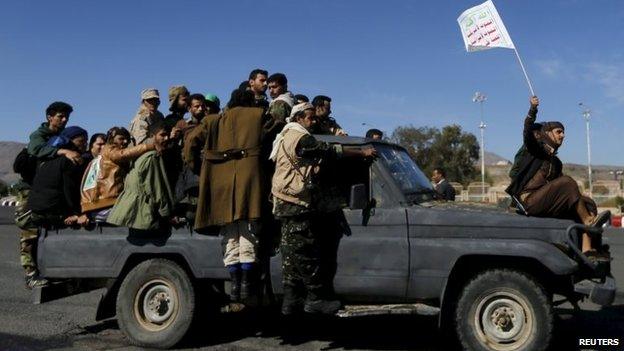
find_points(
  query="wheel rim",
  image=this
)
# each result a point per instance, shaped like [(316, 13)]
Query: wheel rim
[(156, 304), (503, 320)]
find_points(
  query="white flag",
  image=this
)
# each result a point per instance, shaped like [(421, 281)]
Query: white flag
[(482, 28)]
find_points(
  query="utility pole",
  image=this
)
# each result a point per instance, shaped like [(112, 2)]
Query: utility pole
[(587, 114), (480, 98)]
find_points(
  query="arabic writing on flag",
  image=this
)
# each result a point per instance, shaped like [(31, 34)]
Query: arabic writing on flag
[(482, 28)]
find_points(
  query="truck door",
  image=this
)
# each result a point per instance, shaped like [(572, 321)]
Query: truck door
[(374, 260)]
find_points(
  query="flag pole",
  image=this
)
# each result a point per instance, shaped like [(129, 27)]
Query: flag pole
[(526, 76)]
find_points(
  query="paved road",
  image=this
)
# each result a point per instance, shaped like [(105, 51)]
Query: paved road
[(69, 324)]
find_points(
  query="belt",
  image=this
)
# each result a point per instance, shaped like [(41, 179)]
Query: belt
[(233, 154)]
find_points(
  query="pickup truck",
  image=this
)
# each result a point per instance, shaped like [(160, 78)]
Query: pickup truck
[(491, 275)]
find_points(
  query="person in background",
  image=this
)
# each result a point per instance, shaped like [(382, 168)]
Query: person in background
[(213, 104), (178, 104), (147, 115), (374, 134), (326, 125), (282, 99), (54, 200), (146, 202), (443, 188), (300, 98), (96, 143), (257, 83), (103, 179)]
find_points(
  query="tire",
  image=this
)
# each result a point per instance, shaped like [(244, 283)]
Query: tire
[(504, 310), (155, 283)]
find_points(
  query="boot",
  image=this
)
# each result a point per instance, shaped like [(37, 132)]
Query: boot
[(235, 292), (246, 285), (293, 301), (316, 305), (33, 280)]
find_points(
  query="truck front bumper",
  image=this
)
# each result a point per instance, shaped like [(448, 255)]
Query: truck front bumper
[(601, 294)]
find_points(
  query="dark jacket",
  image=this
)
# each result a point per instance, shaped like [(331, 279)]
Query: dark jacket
[(56, 188), (37, 146), (529, 158), (445, 190)]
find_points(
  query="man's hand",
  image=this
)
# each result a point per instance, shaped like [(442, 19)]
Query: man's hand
[(534, 101), (175, 133), (369, 152), (73, 156), (71, 220)]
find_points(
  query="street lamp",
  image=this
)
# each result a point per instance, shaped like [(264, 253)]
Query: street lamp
[(480, 98), (586, 112)]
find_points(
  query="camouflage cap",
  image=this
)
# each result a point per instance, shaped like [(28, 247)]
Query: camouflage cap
[(149, 93), (176, 91)]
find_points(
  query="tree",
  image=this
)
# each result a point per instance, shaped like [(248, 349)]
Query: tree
[(450, 148)]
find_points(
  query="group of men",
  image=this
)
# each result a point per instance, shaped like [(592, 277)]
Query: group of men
[(250, 172)]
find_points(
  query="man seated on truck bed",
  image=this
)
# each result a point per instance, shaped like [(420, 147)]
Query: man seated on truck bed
[(539, 185), (146, 202), (54, 199)]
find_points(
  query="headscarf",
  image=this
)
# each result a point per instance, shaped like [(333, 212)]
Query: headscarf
[(547, 127), (66, 136)]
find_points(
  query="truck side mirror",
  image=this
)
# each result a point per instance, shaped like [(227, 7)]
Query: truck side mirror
[(358, 199)]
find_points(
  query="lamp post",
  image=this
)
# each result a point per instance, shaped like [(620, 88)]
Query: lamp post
[(587, 114), (480, 98)]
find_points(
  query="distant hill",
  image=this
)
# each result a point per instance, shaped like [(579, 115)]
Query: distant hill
[(8, 151), (492, 159)]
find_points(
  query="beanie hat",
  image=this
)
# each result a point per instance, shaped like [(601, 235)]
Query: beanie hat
[(548, 126), (214, 99), (66, 136)]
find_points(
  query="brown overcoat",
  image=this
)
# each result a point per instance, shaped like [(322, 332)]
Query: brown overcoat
[(231, 180)]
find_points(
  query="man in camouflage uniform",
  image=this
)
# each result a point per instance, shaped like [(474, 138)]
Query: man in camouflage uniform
[(283, 100), (326, 125), (297, 155)]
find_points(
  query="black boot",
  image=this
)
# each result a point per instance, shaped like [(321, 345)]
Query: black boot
[(293, 301), (246, 290), (316, 305), (235, 292)]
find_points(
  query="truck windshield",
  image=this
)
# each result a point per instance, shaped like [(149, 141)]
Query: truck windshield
[(412, 181)]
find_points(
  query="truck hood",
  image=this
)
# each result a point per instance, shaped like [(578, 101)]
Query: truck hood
[(483, 221)]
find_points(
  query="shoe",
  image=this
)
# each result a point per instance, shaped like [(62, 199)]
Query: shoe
[(328, 307), (596, 257), (292, 303), (33, 280), (235, 281), (602, 218)]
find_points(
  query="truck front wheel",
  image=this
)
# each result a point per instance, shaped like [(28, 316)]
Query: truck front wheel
[(504, 310), (155, 304)]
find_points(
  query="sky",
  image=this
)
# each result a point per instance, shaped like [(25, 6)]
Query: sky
[(384, 63)]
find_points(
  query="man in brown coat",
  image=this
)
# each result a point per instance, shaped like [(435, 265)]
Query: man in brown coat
[(231, 184)]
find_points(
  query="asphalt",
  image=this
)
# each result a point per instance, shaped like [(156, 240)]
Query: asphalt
[(69, 324)]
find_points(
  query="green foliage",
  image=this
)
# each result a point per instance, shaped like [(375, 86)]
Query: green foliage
[(450, 148)]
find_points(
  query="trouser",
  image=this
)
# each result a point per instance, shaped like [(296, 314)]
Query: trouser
[(329, 227), (558, 199), (301, 257), (240, 240), (28, 233)]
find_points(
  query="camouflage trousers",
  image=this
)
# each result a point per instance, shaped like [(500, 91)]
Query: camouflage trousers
[(29, 234), (330, 229), (301, 255)]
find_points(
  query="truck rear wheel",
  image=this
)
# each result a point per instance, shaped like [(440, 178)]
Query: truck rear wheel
[(155, 304), (504, 310)]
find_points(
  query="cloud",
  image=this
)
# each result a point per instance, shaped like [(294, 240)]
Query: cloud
[(550, 67), (610, 77)]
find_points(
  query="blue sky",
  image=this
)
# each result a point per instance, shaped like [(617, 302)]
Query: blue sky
[(384, 63)]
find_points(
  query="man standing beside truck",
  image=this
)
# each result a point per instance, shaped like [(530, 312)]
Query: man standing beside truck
[(297, 155)]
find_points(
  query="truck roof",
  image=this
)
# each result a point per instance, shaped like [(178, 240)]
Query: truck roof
[(350, 140)]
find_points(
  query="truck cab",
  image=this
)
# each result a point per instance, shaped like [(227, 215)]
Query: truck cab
[(490, 274)]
